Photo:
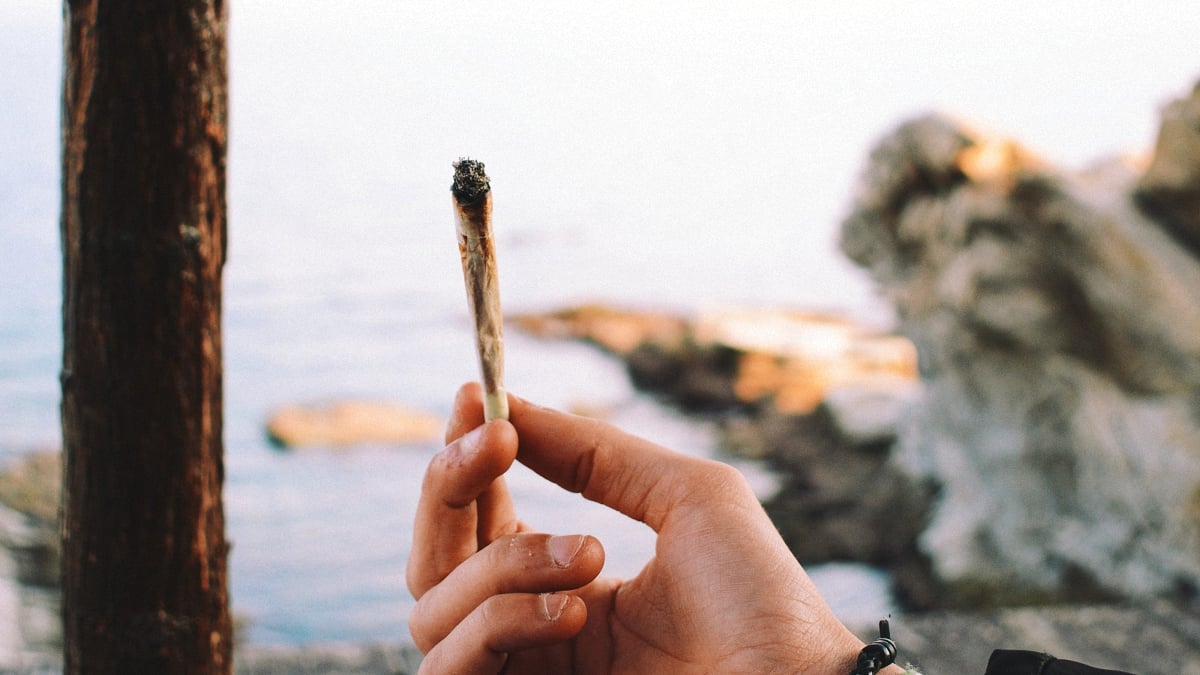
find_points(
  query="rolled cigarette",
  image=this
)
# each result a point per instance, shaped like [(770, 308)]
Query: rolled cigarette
[(473, 219)]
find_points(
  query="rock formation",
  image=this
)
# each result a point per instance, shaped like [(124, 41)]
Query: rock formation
[(352, 422), (1057, 318), (1168, 188), (739, 358), (30, 564)]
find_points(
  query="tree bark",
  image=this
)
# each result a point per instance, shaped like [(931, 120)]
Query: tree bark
[(143, 237)]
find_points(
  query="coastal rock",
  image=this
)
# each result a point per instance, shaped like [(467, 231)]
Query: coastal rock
[(30, 631), (1170, 186), (614, 330), (29, 490), (735, 358), (792, 360), (839, 500), (870, 411), (352, 422), (1057, 317), (1154, 637)]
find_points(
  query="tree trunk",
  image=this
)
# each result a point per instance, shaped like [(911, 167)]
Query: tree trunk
[(143, 236)]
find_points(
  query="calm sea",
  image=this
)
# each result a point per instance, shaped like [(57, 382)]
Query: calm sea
[(675, 154)]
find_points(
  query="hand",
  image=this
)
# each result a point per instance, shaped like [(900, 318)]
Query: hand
[(722, 595)]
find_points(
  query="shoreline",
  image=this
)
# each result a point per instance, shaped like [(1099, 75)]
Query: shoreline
[(1152, 638)]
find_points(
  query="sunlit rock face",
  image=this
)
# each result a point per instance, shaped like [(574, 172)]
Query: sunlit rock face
[(352, 422), (1057, 319)]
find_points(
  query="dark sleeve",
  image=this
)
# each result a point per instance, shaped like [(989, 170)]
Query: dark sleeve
[(1014, 662)]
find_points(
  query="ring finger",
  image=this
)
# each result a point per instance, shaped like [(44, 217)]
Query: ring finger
[(506, 623)]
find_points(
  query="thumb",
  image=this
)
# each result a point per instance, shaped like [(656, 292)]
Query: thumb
[(641, 479)]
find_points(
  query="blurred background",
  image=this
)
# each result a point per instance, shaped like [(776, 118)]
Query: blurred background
[(679, 155)]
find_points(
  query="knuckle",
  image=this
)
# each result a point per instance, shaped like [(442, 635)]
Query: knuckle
[(720, 473), (493, 613), (721, 479), (420, 629)]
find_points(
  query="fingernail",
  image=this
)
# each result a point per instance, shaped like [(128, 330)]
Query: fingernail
[(564, 548), (553, 605)]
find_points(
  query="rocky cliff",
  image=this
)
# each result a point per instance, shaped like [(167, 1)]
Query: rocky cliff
[(1057, 318)]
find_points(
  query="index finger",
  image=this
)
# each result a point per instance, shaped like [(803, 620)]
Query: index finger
[(639, 478), (495, 513), (459, 496)]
